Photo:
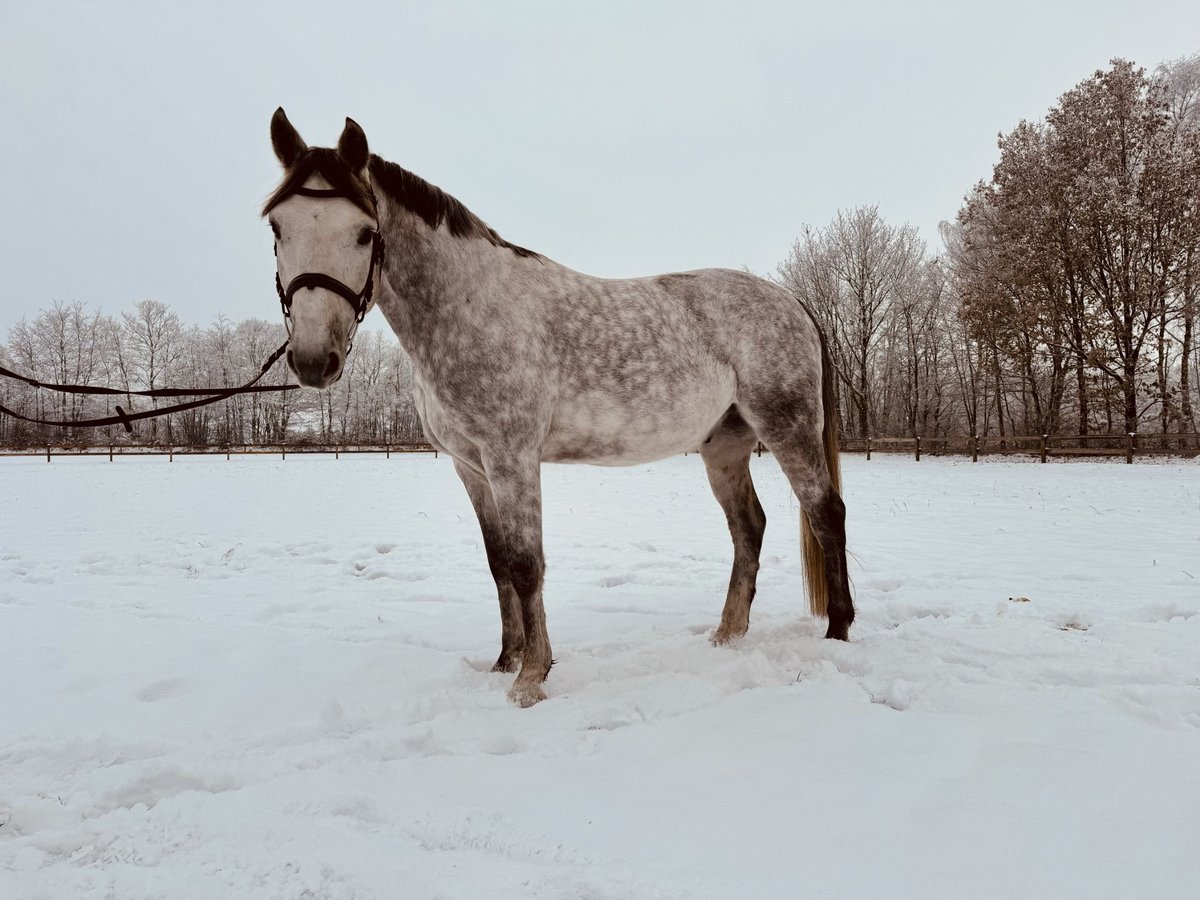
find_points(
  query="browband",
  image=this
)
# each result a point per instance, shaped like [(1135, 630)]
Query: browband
[(318, 192)]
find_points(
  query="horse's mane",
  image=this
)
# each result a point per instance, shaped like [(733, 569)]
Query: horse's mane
[(434, 205), (430, 203)]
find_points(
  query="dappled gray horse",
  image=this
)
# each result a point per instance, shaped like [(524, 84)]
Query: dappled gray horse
[(518, 360)]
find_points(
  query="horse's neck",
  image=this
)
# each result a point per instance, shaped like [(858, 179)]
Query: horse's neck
[(430, 278)]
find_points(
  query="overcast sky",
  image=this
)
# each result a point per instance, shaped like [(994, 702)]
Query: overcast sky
[(618, 138)]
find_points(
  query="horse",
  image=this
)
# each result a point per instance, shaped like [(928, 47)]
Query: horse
[(518, 360)]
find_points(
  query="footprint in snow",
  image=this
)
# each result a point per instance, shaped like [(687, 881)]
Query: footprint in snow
[(153, 786), (376, 574), (160, 690), (613, 581)]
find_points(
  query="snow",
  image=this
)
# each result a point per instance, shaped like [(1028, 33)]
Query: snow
[(268, 678)]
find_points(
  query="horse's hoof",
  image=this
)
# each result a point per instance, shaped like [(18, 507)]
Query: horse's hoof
[(507, 663), (723, 636), (838, 631), (525, 695)]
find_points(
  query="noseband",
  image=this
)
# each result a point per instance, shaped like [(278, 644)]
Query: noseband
[(360, 301)]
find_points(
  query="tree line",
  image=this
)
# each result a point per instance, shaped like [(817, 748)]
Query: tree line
[(149, 347), (1063, 299)]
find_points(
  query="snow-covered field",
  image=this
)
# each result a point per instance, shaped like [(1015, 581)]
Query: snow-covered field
[(265, 678)]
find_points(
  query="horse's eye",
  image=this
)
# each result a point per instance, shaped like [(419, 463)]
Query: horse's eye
[(275, 230), (364, 237)]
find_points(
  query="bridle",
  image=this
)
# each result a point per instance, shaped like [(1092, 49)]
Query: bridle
[(360, 301)]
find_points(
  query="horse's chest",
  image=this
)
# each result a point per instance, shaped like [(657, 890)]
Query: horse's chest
[(438, 422), (462, 421)]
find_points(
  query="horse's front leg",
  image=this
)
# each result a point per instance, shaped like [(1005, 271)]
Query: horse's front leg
[(512, 634), (515, 480)]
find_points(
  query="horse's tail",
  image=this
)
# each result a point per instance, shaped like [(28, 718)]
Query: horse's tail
[(814, 558)]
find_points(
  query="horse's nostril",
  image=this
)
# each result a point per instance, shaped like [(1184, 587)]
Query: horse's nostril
[(334, 362)]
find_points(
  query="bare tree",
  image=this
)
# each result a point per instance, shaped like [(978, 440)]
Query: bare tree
[(154, 340), (1181, 87), (851, 274)]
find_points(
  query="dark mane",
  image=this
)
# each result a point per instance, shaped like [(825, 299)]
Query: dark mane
[(433, 205), (325, 162)]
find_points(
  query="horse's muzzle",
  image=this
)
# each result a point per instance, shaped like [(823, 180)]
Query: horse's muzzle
[(316, 370)]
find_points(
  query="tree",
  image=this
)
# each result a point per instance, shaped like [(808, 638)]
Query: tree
[(1076, 255), (851, 274), (1181, 85), (154, 340), (63, 344), (1121, 164)]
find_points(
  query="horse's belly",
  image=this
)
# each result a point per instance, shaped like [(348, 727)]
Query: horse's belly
[(602, 430)]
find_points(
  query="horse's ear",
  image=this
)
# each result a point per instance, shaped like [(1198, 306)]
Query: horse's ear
[(285, 139), (352, 146)]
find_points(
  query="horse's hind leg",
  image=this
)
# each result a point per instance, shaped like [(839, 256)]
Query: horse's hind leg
[(827, 518), (727, 461), (787, 425), (802, 459), (512, 636)]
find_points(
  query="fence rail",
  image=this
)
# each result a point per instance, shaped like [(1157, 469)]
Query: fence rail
[(1043, 446), (170, 451)]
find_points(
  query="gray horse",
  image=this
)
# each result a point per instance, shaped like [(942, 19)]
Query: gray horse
[(518, 360)]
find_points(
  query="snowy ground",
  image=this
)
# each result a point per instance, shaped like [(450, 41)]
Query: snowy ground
[(265, 678)]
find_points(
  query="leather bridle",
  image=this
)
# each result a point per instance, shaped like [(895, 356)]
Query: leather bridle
[(360, 301)]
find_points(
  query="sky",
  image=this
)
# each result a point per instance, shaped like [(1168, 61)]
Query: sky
[(619, 138)]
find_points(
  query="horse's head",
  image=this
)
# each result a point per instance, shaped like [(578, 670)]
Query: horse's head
[(327, 246)]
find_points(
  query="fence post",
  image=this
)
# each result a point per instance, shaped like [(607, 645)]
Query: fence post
[(918, 448), (1129, 448), (868, 448), (336, 453), (1044, 438), (171, 453), (974, 448), (110, 452), (47, 453)]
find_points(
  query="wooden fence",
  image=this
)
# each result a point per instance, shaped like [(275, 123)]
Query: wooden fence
[(1043, 446), (112, 451)]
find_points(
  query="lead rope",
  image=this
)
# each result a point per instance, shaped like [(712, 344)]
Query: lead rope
[(125, 419), (360, 302)]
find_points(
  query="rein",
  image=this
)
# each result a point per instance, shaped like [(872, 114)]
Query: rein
[(360, 302), (125, 418)]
